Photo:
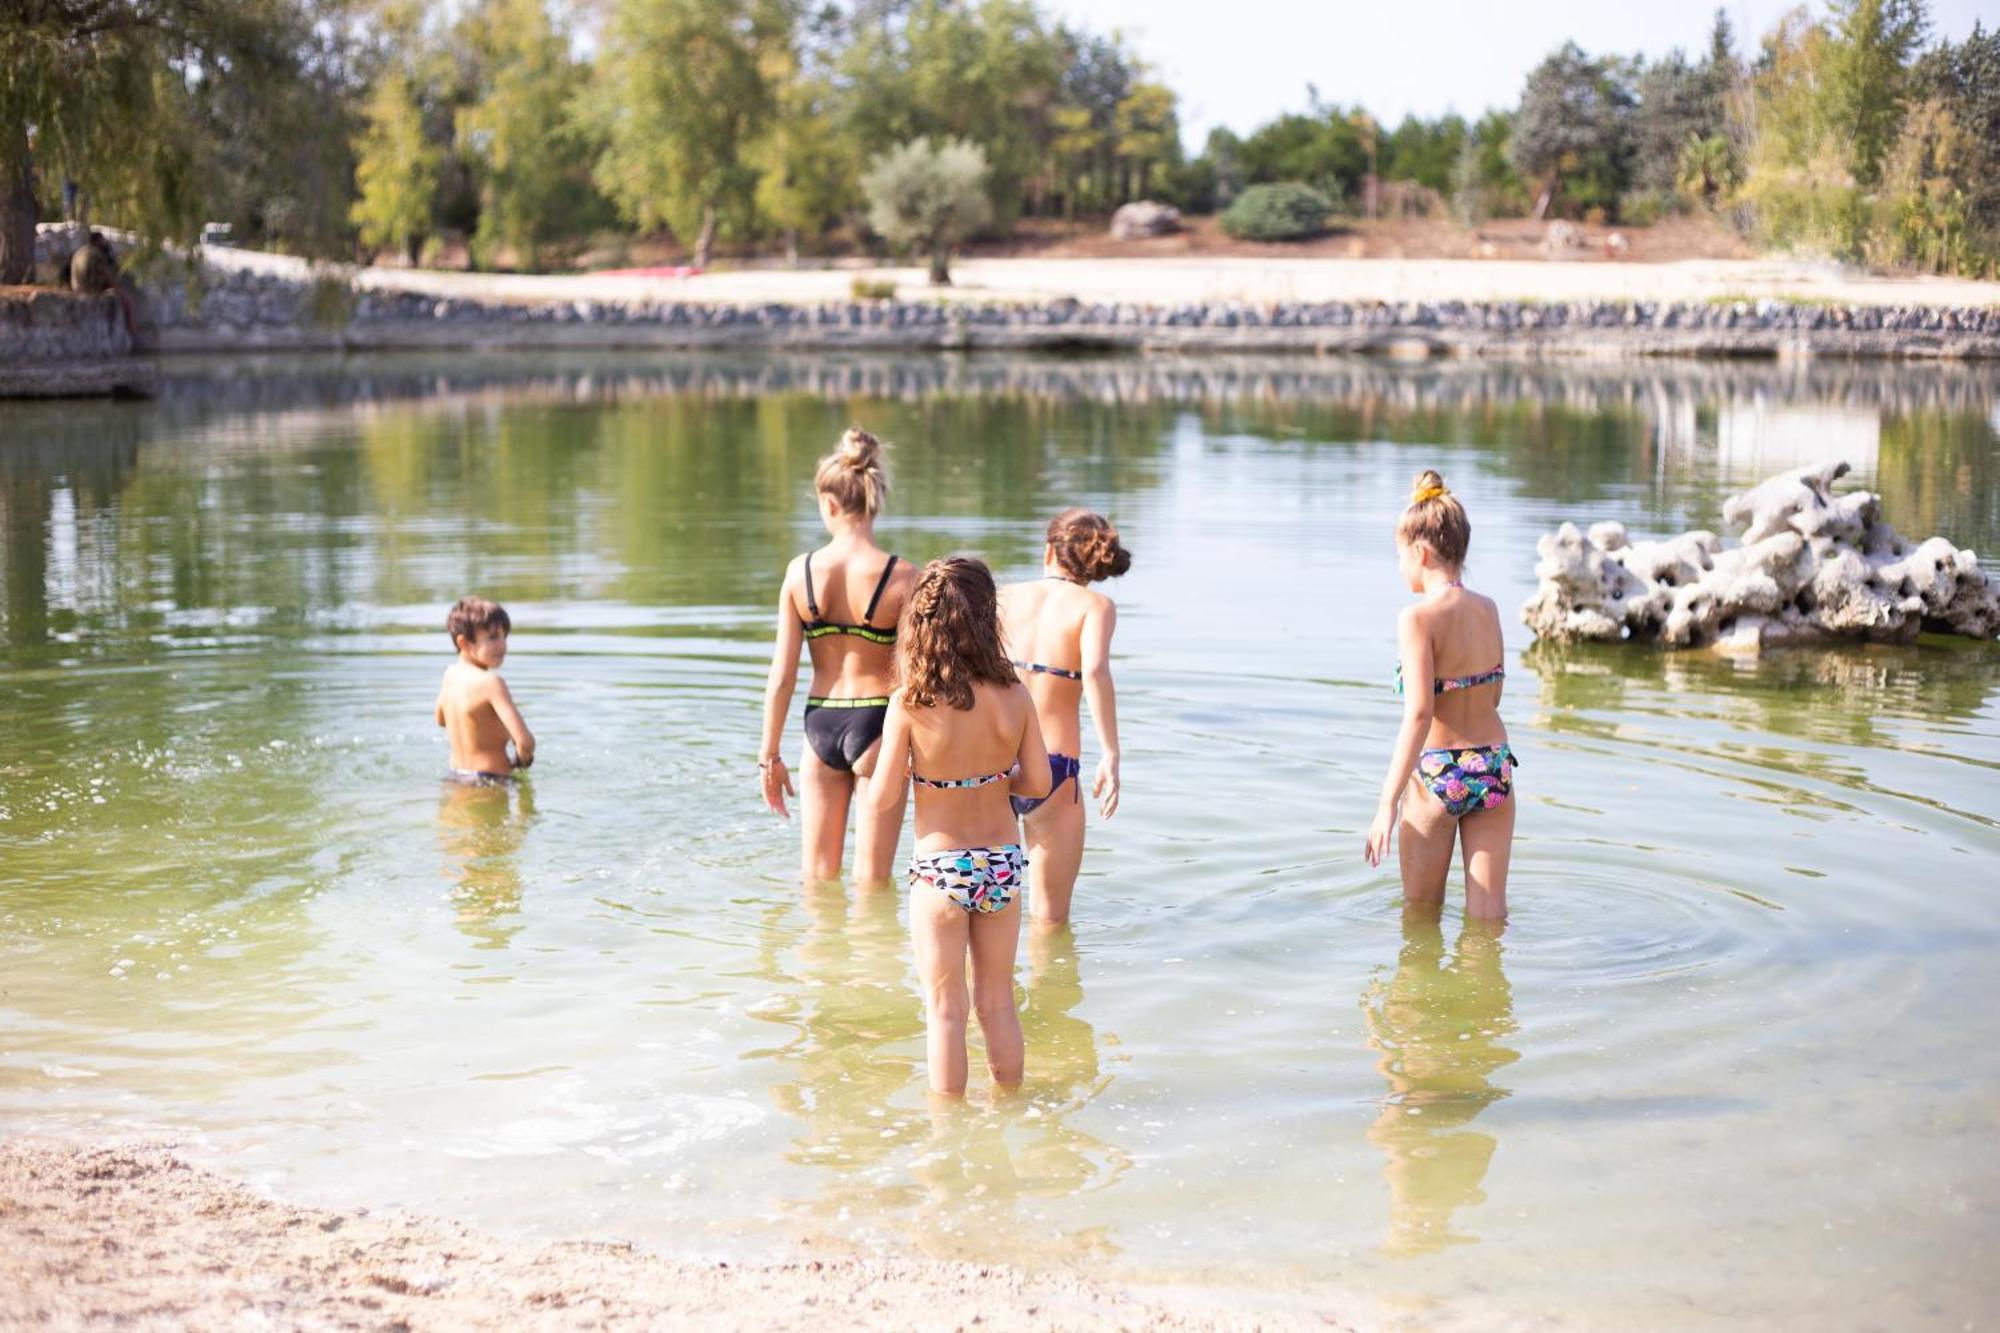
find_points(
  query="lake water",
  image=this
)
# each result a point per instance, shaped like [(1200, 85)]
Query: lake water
[(1736, 1058)]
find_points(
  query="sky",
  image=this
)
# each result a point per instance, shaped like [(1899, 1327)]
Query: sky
[(1241, 62)]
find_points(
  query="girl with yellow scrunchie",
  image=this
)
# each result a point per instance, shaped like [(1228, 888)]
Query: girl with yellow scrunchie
[(1451, 776)]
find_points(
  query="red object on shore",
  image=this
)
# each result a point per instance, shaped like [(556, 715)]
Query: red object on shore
[(656, 271)]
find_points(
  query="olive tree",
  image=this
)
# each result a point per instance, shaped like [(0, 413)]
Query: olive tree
[(928, 197)]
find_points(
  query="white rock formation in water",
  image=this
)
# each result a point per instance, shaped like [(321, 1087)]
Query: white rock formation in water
[(1811, 566)]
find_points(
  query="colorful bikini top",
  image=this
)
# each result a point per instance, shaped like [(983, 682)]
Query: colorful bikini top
[(950, 784), (1063, 672), (820, 627), (1445, 684)]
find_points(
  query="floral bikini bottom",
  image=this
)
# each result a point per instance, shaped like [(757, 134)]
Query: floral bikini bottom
[(1477, 777), (978, 879)]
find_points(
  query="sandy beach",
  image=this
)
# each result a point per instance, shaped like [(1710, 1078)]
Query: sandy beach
[(1171, 281), (131, 1236)]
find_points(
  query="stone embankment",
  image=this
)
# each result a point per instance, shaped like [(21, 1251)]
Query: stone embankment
[(55, 343), (252, 310)]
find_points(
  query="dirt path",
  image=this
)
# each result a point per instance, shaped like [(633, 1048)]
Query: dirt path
[(133, 1238), (1195, 278)]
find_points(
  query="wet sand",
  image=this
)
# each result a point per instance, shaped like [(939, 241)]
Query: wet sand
[(130, 1236)]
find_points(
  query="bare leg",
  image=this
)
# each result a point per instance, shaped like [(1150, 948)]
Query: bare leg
[(1487, 837), (939, 930), (1055, 852), (1423, 846), (995, 937), (876, 834), (824, 795)]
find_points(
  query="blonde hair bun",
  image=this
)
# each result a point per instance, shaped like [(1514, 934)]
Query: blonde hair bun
[(1436, 519), (858, 449), (852, 474), (1428, 486)]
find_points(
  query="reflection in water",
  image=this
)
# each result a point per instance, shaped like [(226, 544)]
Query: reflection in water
[(1438, 1023), (675, 481), (984, 1167), (480, 829), (1842, 694), (947, 1177)]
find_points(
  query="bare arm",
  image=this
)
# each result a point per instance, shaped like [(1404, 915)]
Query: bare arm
[(892, 761), (1032, 776), (1103, 700), (779, 687), (1414, 651), (510, 718), (437, 709)]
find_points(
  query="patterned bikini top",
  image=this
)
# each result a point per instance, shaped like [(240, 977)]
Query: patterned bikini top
[(1064, 672), (950, 784), (1445, 684), (820, 627)]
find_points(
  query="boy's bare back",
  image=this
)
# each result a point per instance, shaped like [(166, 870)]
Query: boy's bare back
[(474, 705)]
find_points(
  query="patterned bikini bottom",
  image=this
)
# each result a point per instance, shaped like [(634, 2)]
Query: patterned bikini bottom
[(1475, 777), (978, 879)]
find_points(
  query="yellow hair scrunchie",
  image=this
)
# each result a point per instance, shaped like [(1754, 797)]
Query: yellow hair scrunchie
[(1429, 493)]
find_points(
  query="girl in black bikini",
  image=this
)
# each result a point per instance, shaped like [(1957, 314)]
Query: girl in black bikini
[(852, 662)]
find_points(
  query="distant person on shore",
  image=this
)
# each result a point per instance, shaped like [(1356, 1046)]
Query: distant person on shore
[(963, 730), (1451, 775), (841, 602), (1058, 633), (474, 705), (93, 268)]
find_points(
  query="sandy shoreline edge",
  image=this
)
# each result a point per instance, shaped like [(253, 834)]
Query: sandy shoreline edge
[(130, 1235)]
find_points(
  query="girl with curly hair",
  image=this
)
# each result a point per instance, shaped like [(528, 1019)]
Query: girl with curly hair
[(962, 729)]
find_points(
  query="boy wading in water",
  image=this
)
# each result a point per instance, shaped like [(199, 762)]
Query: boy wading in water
[(474, 705)]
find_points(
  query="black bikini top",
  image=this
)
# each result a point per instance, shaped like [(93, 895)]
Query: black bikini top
[(820, 627)]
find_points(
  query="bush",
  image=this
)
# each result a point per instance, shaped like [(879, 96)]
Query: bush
[(864, 290), (928, 197), (1283, 212)]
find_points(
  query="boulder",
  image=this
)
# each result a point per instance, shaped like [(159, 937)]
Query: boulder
[(1812, 565), (1143, 218)]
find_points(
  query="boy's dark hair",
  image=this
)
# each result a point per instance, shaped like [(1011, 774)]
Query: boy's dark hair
[(473, 614)]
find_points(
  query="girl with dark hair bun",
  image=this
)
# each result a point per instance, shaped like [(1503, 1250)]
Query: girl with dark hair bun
[(963, 731), (1058, 631), (840, 603), (1451, 776)]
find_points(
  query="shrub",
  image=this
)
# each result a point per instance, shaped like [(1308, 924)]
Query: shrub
[(1282, 212), (865, 290), (928, 197)]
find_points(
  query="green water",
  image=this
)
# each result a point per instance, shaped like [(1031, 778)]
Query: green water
[(1737, 1057)]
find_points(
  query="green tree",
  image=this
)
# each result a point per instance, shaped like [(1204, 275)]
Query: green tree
[(929, 197), (1799, 173), (1424, 151), (111, 91), (1706, 169), (1571, 133), (805, 170), (1965, 78), (395, 169), (1873, 42), (1075, 147), (1921, 213), (1149, 135), (989, 72), (521, 134), (679, 97)]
